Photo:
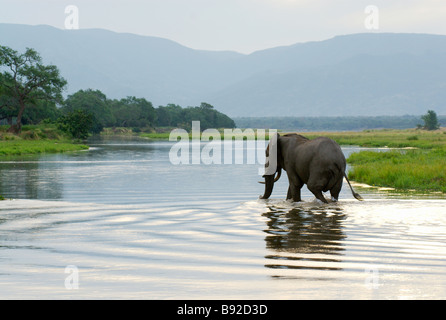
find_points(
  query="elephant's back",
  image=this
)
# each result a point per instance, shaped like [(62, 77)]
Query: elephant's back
[(327, 151)]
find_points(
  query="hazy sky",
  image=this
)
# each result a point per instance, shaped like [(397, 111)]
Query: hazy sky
[(239, 25)]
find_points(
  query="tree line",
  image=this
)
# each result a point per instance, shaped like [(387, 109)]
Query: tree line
[(139, 113), (31, 92), (429, 121)]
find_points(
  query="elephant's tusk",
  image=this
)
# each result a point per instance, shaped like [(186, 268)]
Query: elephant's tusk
[(275, 179), (279, 173)]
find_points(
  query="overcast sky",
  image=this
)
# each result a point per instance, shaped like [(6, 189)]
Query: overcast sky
[(239, 25)]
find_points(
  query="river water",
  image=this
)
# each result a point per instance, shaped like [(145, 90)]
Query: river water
[(120, 221)]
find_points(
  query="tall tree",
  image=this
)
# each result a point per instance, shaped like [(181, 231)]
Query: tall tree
[(25, 80), (94, 102), (430, 120), (133, 112)]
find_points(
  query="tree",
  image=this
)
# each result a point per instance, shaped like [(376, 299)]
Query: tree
[(43, 110), (26, 81), (8, 105), (94, 102), (169, 116), (430, 120), (78, 123), (133, 112), (175, 116)]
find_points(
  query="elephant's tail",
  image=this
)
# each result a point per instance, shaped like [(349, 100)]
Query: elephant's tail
[(356, 195)]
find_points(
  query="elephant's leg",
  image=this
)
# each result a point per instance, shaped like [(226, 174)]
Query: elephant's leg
[(316, 187), (318, 194), (296, 193), (336, 190), (294, 189)]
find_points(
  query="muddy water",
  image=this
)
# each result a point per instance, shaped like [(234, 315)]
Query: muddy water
[(120, 221)]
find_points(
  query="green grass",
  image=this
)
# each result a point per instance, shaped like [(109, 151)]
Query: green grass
[(414, 138), (155, 135), (36, 140), (23, 147), (166, 135), (415, 170)]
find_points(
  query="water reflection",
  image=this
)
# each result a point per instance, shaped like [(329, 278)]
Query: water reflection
[(30, 179), (305, 233)]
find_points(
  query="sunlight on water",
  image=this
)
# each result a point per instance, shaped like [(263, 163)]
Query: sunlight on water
[(135, 226)]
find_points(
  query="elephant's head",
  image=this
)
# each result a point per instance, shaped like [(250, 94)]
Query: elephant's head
[(272, 166)]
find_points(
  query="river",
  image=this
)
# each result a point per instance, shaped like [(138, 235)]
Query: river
[(120, 221)]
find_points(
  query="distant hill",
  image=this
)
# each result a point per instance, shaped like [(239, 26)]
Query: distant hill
[(352, 75)]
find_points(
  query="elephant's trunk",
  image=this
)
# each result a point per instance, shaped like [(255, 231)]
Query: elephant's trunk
[(271, 167), (269, 184)]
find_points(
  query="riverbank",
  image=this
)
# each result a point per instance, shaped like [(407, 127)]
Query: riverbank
[(36, 140), (164, 133), (408, 138), (403, 170)]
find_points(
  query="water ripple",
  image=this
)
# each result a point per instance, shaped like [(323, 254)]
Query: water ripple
[(224, 249)]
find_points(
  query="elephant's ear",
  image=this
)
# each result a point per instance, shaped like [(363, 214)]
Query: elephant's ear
[(271, 160)]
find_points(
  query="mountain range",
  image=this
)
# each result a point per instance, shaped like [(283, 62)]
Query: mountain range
[(366, 74)]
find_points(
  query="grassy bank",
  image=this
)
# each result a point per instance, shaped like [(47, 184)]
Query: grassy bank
[(408, 170), (36, 140), (149, 133), (23, 147), (166, 136), (164, 133), (414, 138)]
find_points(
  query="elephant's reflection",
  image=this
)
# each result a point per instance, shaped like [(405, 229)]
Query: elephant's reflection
[(303, 231)]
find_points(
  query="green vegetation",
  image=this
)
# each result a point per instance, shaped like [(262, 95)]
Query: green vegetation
[(31, 93), (430, 120), (175, 116), (155, 135), (22, 147), (36, 140), (24, 83), (139, 114), (344, 123), (235, 134), (419, 170), (77, 123), (411, 138)]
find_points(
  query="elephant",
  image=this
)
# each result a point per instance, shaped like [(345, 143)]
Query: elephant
[(319, 163)]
